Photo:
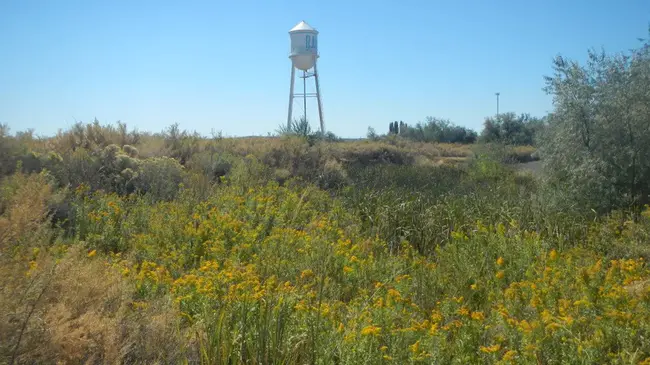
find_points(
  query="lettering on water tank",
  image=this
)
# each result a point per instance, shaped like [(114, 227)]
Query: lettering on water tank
[(310, 42)]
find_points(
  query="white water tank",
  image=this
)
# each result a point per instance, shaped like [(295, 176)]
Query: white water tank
[(304, 46)]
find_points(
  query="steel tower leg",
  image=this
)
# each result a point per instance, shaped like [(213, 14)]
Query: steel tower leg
[(320, 106), (293, 75)]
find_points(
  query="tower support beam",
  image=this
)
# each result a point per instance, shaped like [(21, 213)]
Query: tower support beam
[(293, 75), (305, 95), (320, 104)]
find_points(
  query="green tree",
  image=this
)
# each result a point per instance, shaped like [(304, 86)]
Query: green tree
[(512, 129), (439, 130), (372, 134), (596, 146)]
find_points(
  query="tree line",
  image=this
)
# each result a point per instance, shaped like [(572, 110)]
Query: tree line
[(507, 128)]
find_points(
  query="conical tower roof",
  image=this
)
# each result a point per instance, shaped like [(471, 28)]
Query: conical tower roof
[(303, 27)]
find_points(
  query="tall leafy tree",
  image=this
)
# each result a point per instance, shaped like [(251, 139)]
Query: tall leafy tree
[(597, 143), (509, 128)]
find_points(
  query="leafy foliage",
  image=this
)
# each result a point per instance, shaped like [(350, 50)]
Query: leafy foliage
[(298, 127), (597, 146), (439, 130), (508, 128)]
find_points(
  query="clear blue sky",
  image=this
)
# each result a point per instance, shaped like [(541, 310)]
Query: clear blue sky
[(224, 64)]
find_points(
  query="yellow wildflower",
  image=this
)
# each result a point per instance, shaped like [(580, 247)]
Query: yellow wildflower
[(92, 253), (463, 311), (370, 330), (32, 266), (301, 306), (525, 327), (583, 302), (473, 286), (552, 327), (402, 277), (500, 274), (415, 347), (478, 316), (567, 319), (383, 348), (530, 347), (379, 303), (436, 316), (306, 274), (433, 329), (646, 361), (552, 255), (500, 261), (140, 305), (509, 355), (535, 301), (490, 349), (347, 269), (394, 294)]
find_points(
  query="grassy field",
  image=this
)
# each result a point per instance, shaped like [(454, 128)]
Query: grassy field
[(119, 248)]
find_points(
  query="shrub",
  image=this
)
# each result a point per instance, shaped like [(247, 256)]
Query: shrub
[(439, 130), (159, 178), (597, 144), (248, 172), (80, 167), (300, 128), (333, 175), (130, 151), (24, 200), (510, 129), (10, 150), (372, 134), (181, 144), (281, 176)]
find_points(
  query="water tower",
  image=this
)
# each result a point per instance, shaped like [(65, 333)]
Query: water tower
[(304, 53)]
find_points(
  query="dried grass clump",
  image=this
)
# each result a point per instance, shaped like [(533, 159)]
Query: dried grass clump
[(76, 309), (23, 209), (60, 304)]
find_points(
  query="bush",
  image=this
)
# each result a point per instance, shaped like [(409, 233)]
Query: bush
[(130, 151), (438, 130), (248, 172), (159, 178), (179, 144), (510, 129), (300, 128), (333, 175), (597, 143), (10, 150), (372, 134)]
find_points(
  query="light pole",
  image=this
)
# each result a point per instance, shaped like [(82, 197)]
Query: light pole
[(497, 94)]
